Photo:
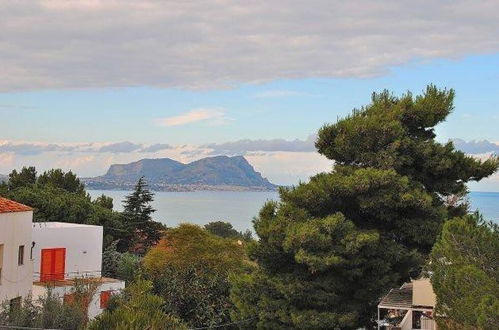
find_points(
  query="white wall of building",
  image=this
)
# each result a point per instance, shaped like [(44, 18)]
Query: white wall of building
[(83, 245), (94, 309), (15, 230)]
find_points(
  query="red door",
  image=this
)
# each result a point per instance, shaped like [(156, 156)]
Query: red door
[(53, 264)]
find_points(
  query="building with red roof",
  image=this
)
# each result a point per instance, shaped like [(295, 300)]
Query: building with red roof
[(16, 265)]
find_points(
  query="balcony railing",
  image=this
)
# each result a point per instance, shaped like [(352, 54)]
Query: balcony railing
[(49, 277)]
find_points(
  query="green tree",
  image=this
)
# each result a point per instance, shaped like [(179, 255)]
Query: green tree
[(137, 309), (226, 230), (334, 245), (190, 269), (104, 201), (60, 179), (52, 201), (129, 267), (464, 265), (25, 178), (143, 232)]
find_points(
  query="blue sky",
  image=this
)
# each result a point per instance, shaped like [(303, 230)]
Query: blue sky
[(287, 109), (85, 84)]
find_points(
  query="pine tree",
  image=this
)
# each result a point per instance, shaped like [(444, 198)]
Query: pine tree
[(333, 246), (465, 274), (142, 231)]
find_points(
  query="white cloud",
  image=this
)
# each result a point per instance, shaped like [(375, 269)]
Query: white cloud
[(241, 147), (213, 44), (211, 116), (281, 161), (279, 93)]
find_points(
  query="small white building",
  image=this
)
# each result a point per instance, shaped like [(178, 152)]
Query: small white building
[(65, 254), (16, 267), (409, 307)]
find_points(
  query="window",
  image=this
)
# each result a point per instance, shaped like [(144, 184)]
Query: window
[(15, 303), (20, 255), (104, 298)]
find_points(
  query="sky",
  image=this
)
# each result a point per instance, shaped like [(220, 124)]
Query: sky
[(85, 84)]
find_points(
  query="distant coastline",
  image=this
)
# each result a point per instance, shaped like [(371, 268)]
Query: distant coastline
[(218, 173), (93, 184)]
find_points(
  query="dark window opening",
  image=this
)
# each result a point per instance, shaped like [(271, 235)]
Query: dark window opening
[(20, 256)]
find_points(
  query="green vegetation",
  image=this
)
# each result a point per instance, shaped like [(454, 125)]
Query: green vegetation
[(190, 270), (137, 308), (49, 311), (60, 196), (326, 252), (225, 230), (465, 274), (142, 232), (333, 246)]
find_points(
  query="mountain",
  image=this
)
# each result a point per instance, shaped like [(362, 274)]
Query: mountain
[(4, 178), (212, 173)]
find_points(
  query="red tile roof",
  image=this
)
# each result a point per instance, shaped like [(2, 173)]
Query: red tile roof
[(7, 206)]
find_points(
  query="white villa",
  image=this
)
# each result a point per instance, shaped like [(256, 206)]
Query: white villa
[(36, 256), (66, 252), (16, 266), (409, 307)]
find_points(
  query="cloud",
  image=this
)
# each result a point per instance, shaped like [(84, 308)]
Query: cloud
[(245, 146), (476, 147), (120, 147), (36, 148), (213, 44), (32, 148), (211, 116), (279, 93), (281, 161), (156, 147)]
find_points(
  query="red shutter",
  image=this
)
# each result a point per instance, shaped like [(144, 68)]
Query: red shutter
[(53, 264), (104, 299), (46, 265), (59, 264)]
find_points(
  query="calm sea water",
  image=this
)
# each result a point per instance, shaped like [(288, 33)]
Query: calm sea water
[(239, 208)]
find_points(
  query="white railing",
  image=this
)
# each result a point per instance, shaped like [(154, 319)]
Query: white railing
[(67, 276)]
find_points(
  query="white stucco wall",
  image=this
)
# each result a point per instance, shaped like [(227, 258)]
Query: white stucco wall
[(83, 245), (15, 230), (94, 309)]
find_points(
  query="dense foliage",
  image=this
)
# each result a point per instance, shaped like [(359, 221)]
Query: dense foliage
[(137, 308), (465, 274), (125, 266), (60, 196), (226, 230), (190, 270), (142, 232), (334, 245), (47, 312)]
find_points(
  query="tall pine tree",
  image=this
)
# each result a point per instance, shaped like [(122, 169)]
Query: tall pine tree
[(334, 245), (142, 231)]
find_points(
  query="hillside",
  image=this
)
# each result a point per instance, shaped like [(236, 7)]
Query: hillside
[(212, 173)]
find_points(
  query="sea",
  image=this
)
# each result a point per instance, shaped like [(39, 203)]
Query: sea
[(239, 208)]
